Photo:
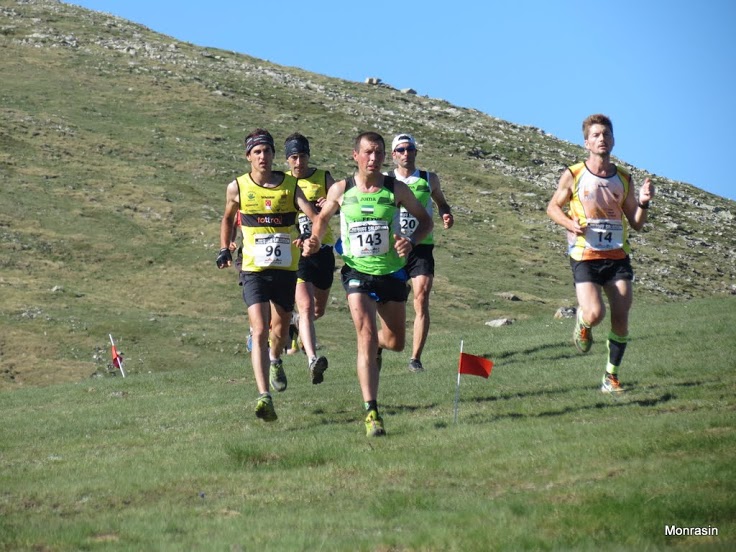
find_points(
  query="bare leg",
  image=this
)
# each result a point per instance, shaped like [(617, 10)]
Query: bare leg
[(363, 312), (280, 320), (421, 286), (258, 316), (306, 305), (620, 298), (591, 302)]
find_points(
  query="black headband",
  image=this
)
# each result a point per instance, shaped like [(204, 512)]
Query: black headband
[(296, 146), (257, 140)]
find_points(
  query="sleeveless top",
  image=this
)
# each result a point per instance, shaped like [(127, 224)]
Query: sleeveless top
[(267, 221), (314, 187), (597, 203), (418, 183), (368, 222)]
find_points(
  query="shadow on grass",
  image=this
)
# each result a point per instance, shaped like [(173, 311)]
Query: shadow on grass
[(628, 398), (614, 402), (566, 351)]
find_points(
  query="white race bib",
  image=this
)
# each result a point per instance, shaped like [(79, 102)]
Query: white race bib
[(272, 250), (304, 224), (409, 223), (369, 238), (604, 234)]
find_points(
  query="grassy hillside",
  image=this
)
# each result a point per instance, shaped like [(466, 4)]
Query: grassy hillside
[(116, 144), (539, 458)]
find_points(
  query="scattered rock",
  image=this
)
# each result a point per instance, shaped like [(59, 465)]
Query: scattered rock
[(565, 312), (499, 322)]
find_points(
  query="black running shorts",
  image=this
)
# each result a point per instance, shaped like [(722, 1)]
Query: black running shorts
[(389, 287), (420, 261), (602, 271), (319, 269), (273, 285)]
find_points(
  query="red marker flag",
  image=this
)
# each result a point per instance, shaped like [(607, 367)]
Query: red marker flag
[(471, 365), (117, 358), (474, 365)]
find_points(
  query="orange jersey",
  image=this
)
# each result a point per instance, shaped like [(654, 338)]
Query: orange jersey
[(596, 204)]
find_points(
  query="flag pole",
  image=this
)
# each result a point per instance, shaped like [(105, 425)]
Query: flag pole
[(457, 387), (120, 362)]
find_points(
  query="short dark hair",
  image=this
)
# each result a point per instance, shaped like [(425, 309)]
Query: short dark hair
[(596, 119), (368, 136)]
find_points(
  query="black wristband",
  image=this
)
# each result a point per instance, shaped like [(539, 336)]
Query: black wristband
[(644, 206)]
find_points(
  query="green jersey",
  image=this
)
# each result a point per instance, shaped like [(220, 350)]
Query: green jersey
[(368, 223)]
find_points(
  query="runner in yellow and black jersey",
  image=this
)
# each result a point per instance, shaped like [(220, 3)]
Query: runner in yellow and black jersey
[(266, 203), (316, 272)]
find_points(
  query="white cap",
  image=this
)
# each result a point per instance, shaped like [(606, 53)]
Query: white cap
[(401, 138)]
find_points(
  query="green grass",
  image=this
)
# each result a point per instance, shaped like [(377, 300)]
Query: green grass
[(539, 458)]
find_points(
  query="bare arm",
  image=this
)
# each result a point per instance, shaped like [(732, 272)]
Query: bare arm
[(439, 198), (559, 200), (329, 181), (319, 224), (304, 205), (635, 213), (227, 225)]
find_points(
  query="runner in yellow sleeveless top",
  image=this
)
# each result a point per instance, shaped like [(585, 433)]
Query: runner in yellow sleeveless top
[(602, 204), (316, 272), (266, 203)]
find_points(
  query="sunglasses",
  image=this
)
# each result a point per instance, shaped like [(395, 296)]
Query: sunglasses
[(402, 150)]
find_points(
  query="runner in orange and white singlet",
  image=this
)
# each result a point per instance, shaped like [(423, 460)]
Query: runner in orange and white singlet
[(602, 206)]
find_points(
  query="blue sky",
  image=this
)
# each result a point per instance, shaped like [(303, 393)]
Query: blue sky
[(664, 71)]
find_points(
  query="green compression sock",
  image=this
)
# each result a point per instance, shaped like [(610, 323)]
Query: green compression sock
[(616, 349)]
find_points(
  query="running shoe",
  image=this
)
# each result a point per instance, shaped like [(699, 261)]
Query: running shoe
[(317, 368), (265, 410), (249, 342), (415, 365), (374, 425), (611, 384), (277, 376), (582, 337)]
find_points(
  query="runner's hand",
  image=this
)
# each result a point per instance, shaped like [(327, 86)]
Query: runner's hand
[(224, 258)]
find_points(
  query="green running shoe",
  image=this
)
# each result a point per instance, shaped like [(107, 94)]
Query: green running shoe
[(277, 376), (582, 336), (374, 425), (317, 368), (611, 384), (265, 410)]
